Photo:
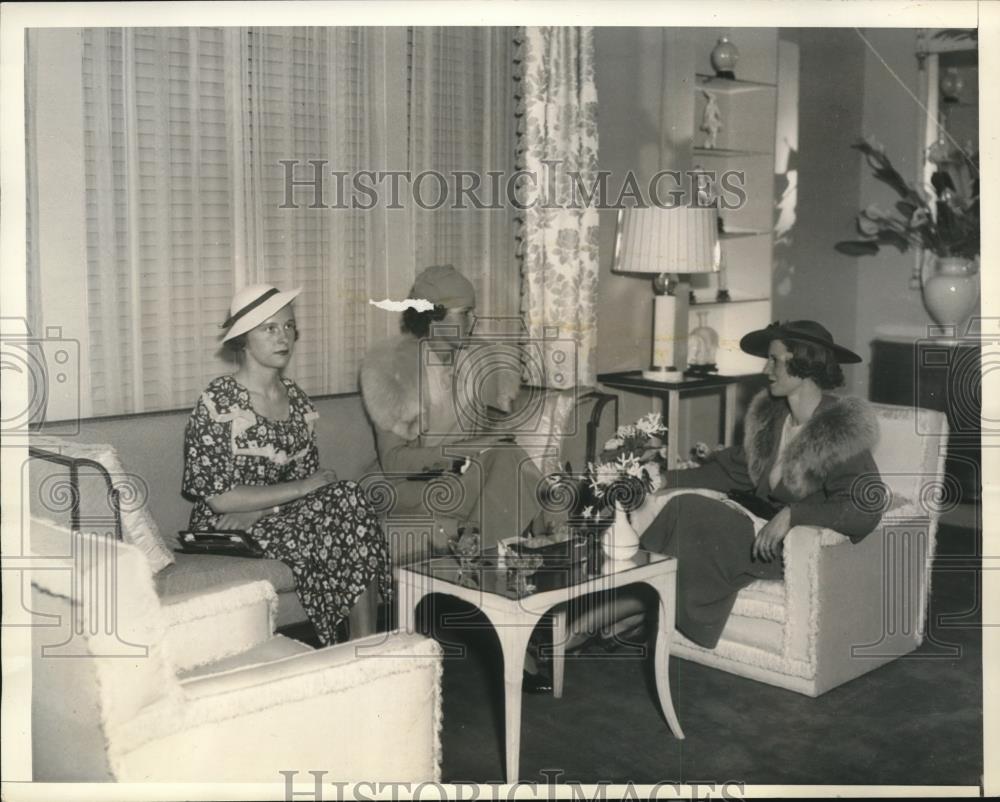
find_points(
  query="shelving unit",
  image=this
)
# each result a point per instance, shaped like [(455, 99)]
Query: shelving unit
[(701, 299), (746, 143), (729, 152), (730, 86)]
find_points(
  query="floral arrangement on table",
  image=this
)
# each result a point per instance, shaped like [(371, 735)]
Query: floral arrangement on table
[(630, 466), (945, 224)]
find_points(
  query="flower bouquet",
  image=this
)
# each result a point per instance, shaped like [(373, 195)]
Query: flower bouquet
[(629, 469)]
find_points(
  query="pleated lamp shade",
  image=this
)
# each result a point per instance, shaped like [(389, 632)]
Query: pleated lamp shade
[(677, 240)]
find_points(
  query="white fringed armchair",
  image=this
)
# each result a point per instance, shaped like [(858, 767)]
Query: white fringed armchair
[(129, 687), (841, 610)]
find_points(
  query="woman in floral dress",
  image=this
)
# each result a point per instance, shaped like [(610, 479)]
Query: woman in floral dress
[(251, 463)]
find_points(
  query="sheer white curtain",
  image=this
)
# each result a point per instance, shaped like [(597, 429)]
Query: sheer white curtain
[(309, 97), (462, 119), (185, 130), (160, 261), (185, 133)]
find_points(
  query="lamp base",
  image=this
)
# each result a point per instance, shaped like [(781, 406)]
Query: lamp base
[(657, 374)]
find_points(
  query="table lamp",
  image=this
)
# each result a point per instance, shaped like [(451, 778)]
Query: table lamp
[(668, 242)]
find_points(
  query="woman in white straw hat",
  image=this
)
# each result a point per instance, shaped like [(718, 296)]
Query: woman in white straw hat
[(251, 463)]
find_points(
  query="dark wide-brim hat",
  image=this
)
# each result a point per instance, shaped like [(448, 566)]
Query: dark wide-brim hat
[(757, 342)]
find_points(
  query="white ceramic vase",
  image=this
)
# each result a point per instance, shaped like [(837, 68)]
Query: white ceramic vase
[(951, 289), (724, 56), (620, 541)]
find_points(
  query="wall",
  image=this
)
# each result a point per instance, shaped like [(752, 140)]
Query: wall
[(55, 94), (817, 281), (629, 73), (893, 115), (873, 91)]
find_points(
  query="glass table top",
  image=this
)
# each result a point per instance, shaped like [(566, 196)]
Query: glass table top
[(515, 577)]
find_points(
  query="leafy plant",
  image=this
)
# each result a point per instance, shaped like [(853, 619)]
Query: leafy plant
[(946, 224)]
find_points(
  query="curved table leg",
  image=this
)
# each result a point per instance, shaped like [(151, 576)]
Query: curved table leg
[(513, 631), (666, 589), (560, 634)]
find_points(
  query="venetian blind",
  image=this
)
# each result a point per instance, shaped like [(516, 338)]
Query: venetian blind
[(160, 264), (185, 130), (308, 99), (462, 119)]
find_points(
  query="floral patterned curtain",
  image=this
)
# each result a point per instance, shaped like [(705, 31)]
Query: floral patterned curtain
[(557, 149)]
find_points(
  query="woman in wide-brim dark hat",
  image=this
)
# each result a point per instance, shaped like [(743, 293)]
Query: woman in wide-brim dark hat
[(803, 450)]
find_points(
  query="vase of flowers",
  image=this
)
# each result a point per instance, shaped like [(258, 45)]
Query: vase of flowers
[(629, 469), (943, 223)]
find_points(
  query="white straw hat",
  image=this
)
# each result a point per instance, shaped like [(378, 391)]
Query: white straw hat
[(252, 305)]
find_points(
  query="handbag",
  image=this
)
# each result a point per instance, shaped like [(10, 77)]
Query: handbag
[(224, 542)]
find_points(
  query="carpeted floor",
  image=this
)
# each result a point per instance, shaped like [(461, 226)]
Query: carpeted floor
[(917, 720)]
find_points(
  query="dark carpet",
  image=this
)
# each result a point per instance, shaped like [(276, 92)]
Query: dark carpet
[(915, 721)]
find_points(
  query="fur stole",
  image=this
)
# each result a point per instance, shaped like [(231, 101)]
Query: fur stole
[(390, 385), (840, 428)]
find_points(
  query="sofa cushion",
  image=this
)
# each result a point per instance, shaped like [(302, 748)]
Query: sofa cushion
[(196, 572), (274, 648), (138, 527), (207, 626)]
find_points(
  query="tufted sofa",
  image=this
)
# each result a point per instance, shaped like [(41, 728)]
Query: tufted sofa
[(129, 471), (842, 610)]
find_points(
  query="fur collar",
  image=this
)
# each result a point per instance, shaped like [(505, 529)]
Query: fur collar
[(390, 385), (841, 427)]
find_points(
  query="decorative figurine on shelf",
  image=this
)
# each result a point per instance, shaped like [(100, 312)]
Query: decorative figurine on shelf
[(703, 344), (706, 187), (711, 119), (724, 57), (951, 85)]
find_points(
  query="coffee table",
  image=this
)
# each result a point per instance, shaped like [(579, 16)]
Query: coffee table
[(514, 611)]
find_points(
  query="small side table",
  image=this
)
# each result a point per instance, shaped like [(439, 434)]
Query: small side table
[(671, 393)]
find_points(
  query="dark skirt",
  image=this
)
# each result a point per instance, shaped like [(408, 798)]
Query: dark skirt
[(498, 493), (712, 543)]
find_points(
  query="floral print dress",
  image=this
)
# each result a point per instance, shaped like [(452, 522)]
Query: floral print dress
[(330, 538)]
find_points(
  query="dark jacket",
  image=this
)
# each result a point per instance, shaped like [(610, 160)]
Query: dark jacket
[(825, 469)]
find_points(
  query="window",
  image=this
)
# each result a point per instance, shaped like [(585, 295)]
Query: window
[(184, 130)]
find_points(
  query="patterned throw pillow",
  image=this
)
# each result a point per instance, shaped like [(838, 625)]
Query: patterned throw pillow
[(138, 526)]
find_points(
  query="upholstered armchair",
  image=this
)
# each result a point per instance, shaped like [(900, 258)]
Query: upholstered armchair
[(842, 610), (197, 688)]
